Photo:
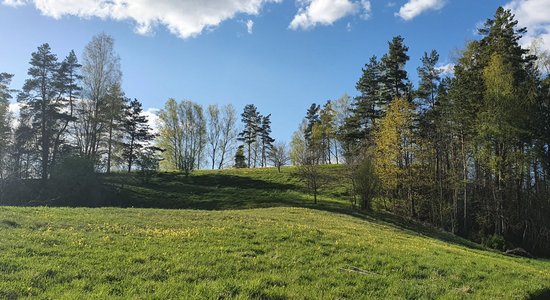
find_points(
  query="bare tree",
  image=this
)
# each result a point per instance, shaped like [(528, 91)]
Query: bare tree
[(279, 155), (228, 133), (214, 131), (307, 157), (310, 171), (100, 71)]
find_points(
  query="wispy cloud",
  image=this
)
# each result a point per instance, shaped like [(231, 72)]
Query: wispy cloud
[(447, 69), (249, 26), (184, 18), (414, 8), (325, 12), (14, 3)]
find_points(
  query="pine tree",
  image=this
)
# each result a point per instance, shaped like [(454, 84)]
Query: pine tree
[(68, 81), (40, 106), (429, 78), (312, 118), (368, 105), (394, 75), (249, 135), (265, 138), (137, 132)]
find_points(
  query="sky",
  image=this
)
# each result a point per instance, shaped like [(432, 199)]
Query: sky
[(281, 55)]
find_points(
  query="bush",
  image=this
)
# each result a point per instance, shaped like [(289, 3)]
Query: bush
[(367, 183), (495, 241), (75, 183), (148, 165)]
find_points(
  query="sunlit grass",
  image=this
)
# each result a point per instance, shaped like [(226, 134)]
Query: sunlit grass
[(272, 253)]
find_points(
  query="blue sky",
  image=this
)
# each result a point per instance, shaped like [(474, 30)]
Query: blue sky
[(296, 53)]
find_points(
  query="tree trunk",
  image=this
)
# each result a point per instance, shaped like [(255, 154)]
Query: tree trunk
[(109, 150)]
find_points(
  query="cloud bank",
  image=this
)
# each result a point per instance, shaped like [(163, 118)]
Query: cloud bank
[(184, 18), (414, 8)]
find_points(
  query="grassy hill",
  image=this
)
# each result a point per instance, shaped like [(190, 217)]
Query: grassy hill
[(226, 189), (280, 247)]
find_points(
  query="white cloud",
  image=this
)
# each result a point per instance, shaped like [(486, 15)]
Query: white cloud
[(413, 8), (447, 70), (533, 14), (326, 12), (152, 115), (249, 26), (185, 18), (14, 108)]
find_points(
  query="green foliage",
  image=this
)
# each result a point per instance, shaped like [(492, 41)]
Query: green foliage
[(182, 134), (495, 241), (392, 144), (366, 183), (429, 78), (240, 159)]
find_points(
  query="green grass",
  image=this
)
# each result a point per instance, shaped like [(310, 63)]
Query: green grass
[(272, 253), (279, 247), (225, 189)]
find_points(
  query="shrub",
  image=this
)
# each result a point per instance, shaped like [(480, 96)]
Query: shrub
[(495, 241), (75, 183)]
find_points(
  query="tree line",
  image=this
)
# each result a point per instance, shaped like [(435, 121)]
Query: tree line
[(78, 110), (68, 110), (468, 152)]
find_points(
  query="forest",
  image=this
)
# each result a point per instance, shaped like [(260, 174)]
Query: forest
[(466, 151)]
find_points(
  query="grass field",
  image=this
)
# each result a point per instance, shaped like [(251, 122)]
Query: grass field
[(252, 234)]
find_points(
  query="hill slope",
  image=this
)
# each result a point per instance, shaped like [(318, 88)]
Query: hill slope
[(270, 253), (277, 245)]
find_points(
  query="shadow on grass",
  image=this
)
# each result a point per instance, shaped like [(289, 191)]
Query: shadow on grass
[(206, 191), (543, 294)]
